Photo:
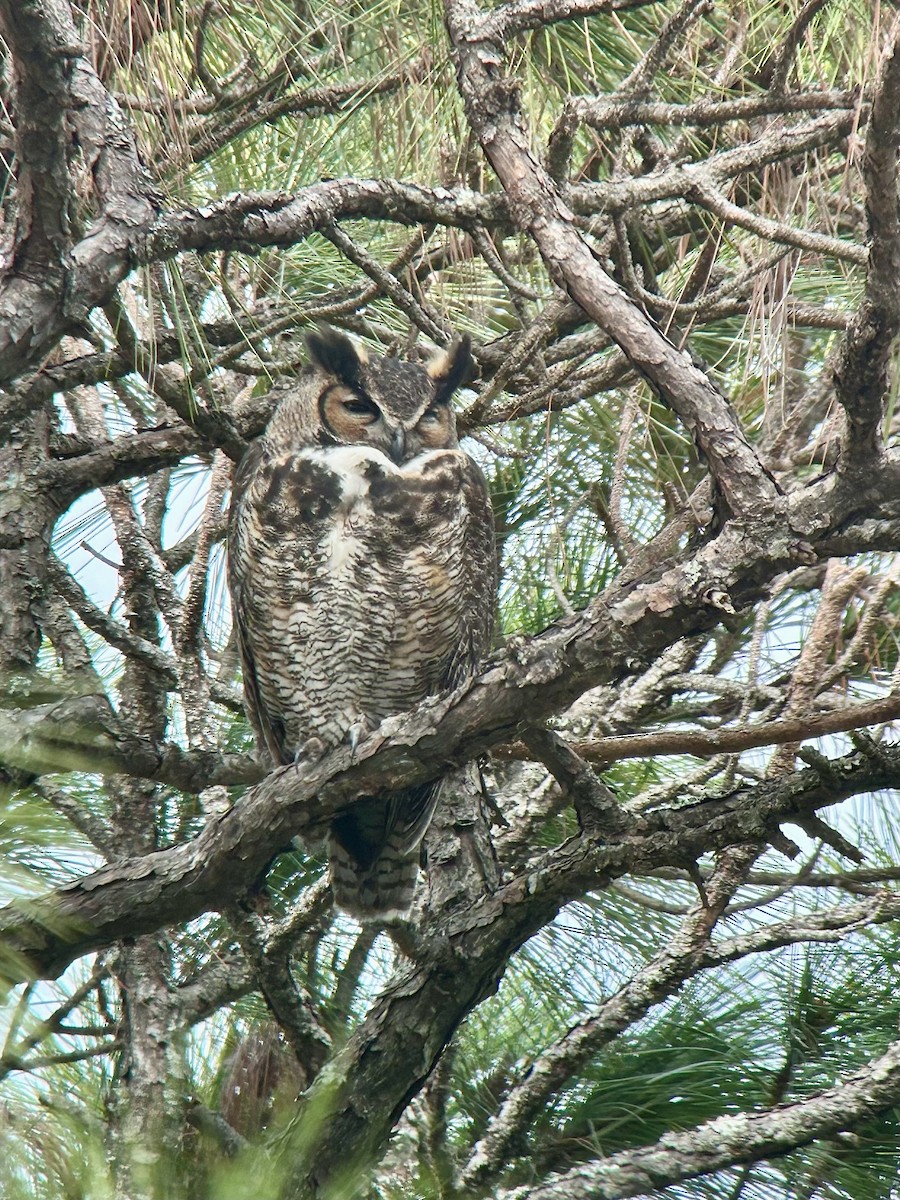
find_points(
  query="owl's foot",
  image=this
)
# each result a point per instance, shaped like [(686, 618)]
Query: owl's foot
[(309, 751), (357, 731), (406, 938)]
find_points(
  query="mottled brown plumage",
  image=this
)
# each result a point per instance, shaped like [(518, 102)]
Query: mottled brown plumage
[(362, 576)]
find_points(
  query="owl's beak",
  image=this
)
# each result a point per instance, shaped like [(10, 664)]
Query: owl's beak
[(398, 446)]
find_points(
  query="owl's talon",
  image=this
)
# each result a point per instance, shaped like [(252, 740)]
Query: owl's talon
[(308, 751), (406, 938), (355, 734)]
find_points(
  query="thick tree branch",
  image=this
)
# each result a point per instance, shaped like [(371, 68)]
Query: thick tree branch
[(861, 373), (250, 221), (43, 43), (58, 95), (175, 884), (33, 741)]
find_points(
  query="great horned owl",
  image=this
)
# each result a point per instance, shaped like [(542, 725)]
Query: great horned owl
[(362, 576)]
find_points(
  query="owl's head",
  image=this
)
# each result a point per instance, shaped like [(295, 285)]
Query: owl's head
[(352, 398)]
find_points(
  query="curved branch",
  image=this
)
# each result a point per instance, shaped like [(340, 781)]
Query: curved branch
[(529, 682), (729, 739), (58, 97), (728, 1140), (538, 208), (250, 221), (618, 114), (516, 16)]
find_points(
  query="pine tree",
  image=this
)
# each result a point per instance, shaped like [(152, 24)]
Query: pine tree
[(657, 947)]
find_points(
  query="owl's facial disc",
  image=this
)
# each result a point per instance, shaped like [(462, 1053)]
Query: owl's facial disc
[(434, 429), (351, 416)]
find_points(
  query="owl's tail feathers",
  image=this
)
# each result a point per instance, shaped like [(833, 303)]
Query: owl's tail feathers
[(383, 891), (373, 851)]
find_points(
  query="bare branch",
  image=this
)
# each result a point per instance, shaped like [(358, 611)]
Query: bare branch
[(777, 231), (56, 85), (727, 740), (430, 323), (541, 212), (166, 886), (861, 373), (310, 101), (729, 1140), (617, 113), (517, 16)]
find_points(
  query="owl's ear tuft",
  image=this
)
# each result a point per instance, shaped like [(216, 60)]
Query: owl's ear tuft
[(334, 352), (449, 368)]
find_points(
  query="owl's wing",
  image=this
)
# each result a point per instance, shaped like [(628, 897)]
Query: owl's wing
[(478, 579), (269, 731)]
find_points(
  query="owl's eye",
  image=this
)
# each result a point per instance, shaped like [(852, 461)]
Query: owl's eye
[(357, 406)]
